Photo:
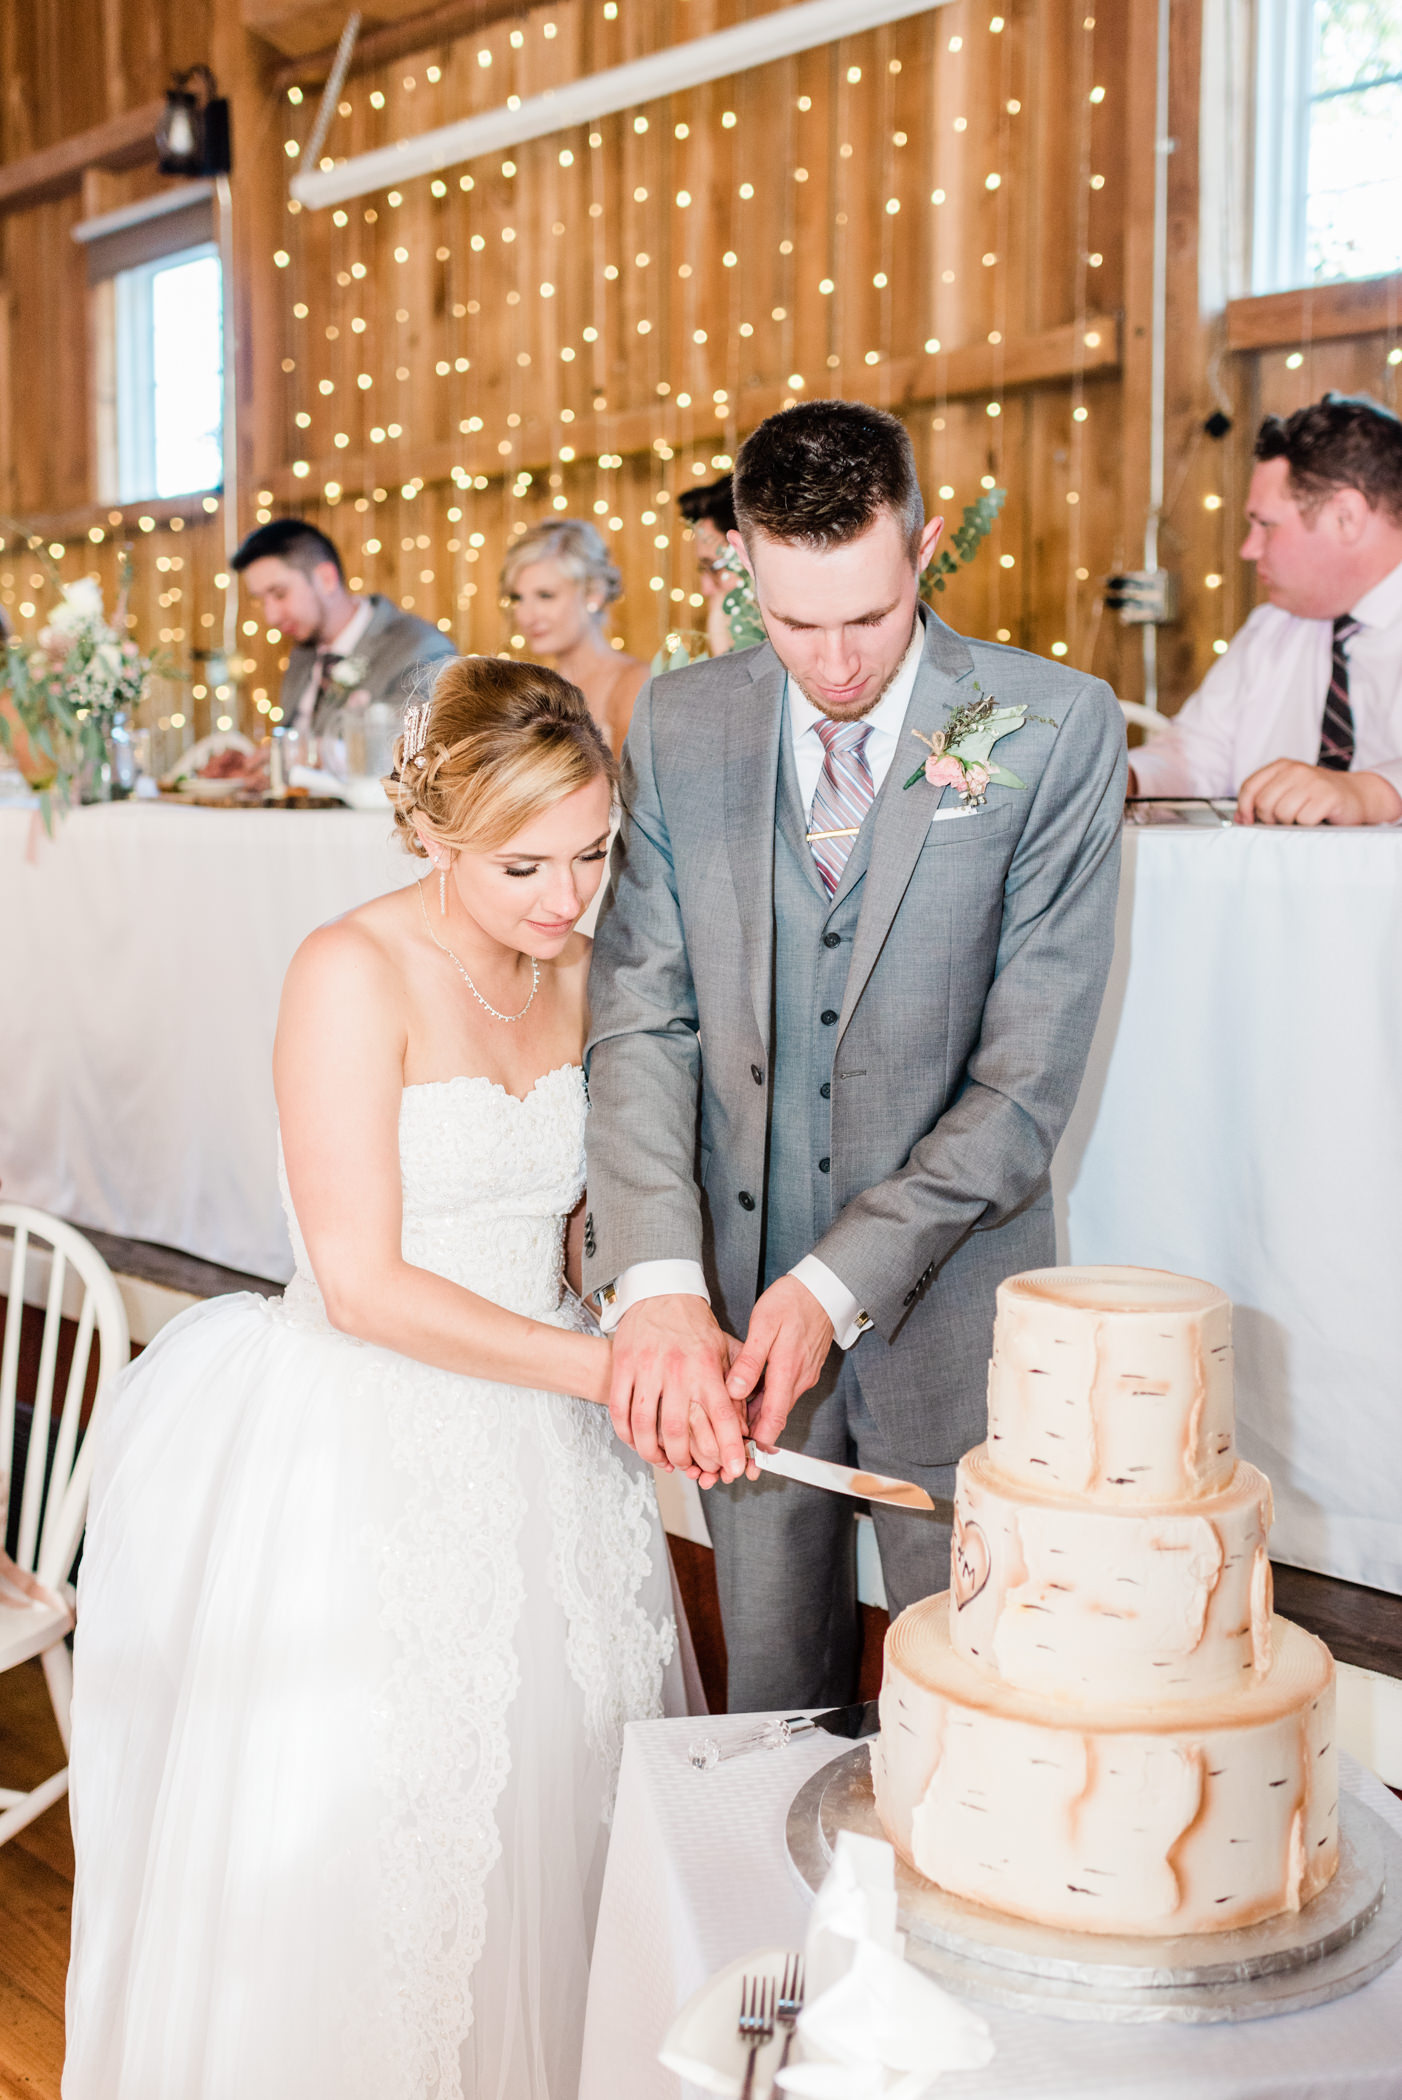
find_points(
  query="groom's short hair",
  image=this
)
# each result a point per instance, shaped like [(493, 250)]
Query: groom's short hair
[(819, 474)]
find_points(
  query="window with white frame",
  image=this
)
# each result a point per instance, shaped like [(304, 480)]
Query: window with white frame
[(169, 373), (1328, 190), (157, 284)]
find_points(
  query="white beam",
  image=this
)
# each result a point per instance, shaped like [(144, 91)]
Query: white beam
[(749, 44)]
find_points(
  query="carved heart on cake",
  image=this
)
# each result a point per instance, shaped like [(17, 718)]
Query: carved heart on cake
[(969, 1560)]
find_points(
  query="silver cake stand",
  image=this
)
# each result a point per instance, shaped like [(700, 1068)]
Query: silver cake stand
[(1337, 1943)]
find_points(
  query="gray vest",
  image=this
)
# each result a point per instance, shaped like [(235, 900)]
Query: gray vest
[(812, 952)]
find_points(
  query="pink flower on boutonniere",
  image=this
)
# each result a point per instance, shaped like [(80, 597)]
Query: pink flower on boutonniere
[(976, 779), (944, 772)]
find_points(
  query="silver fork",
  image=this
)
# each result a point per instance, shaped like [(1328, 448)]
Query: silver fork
[(756, 2024), (790, 2003)]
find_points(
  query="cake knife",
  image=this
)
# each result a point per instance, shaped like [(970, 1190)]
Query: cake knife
[(840, 1480), (851, 1722)]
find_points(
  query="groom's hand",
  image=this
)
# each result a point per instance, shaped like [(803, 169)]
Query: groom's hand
[(787, 1345), (669, 1356)]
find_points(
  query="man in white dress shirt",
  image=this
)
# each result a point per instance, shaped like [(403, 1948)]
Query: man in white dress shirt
[(1301, 719)]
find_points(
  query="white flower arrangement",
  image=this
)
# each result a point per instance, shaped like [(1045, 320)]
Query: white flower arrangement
[(62, 691)]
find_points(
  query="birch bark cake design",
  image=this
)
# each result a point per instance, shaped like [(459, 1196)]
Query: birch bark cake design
[(1101, 1725)]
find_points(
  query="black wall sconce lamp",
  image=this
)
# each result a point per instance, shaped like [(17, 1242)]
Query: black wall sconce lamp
[(192, 137)]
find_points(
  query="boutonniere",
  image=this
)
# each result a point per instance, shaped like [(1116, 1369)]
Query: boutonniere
[(348, 672), (961, 754)]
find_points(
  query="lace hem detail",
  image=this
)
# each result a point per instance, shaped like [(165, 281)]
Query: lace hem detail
[(604, 1525), (452, 1590)]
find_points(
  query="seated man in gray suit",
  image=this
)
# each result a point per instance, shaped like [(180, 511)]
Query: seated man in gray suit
[(840, 1012), (342, 645)]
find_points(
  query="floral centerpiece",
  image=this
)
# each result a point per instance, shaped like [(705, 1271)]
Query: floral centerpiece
[(65, 696)]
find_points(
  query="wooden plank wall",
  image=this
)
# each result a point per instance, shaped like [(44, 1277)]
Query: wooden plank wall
[(590, 324)]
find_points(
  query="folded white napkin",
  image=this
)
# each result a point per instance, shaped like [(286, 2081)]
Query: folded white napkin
[(875, 2028)]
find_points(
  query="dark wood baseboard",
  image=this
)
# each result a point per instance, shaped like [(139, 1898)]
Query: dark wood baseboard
[(1362, 1626), (696, 1579)]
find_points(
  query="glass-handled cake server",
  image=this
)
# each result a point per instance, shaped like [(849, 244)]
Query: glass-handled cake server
[(853, 1722)]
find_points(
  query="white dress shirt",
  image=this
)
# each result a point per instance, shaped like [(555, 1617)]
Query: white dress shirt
[(1264, 699), (343, 645), (656, 1279)]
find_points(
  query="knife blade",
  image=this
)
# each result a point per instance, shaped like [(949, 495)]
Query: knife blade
[(840, 1480), (851, 1723)]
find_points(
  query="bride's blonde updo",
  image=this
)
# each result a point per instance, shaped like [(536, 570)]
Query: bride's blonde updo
[(503, 741)]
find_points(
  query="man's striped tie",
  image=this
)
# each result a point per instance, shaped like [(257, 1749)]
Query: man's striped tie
[(1336, 733), (845, 794)]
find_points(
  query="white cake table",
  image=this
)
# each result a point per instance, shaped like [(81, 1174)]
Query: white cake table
[(698, 1876)]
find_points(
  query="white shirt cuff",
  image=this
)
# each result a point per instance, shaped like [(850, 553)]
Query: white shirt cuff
[(849, 1322), (649, 1279)]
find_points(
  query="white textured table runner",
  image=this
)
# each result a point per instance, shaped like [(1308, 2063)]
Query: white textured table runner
[(698, 1874)]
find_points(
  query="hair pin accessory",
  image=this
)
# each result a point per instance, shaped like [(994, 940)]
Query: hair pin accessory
[(415, 733)]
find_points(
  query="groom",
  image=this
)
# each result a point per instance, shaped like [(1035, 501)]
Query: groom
[(839, 1022)]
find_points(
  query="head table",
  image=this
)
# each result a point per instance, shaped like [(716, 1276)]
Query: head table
[(1241, 1118), (698, 1877)]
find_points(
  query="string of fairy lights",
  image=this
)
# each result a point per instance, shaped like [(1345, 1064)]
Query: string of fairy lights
[(766, 165), (596, 308)]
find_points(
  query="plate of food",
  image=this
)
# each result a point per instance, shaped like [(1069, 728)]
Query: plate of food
[(218, 768)]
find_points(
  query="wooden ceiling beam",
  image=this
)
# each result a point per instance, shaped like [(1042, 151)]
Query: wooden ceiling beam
[(121, 142), (435, 25)]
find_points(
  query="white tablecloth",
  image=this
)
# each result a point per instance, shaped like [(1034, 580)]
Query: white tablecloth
[(1242, 1121), (698, 1876), (142, 951)]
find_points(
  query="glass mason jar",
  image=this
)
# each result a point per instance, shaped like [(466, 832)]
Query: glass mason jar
[(110, 775)]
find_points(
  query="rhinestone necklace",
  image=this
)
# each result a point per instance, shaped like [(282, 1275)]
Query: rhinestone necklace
[(535, 970)]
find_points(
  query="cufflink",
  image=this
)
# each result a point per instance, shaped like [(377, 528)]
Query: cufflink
[(863, 1321), (606, 1294)]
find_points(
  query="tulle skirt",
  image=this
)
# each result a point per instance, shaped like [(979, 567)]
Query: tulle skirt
[(356, 1644)]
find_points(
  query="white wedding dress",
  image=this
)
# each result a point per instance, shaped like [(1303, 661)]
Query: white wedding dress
[(357, 1640)]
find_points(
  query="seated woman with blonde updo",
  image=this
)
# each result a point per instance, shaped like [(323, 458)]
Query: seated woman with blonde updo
[(561, 582), (370, 1590)]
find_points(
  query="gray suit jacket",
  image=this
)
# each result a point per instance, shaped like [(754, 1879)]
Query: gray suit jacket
[(393, 645), (976, 975)]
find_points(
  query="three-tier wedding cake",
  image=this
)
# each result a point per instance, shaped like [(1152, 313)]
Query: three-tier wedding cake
[(1101, 1725)]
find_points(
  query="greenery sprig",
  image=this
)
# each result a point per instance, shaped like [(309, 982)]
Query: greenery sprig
[(966, 539)]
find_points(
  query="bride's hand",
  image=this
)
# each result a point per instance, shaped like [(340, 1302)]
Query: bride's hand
[(705, 1452)]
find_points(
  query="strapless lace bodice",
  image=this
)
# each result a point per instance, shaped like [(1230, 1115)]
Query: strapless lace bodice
[(489, 1180)]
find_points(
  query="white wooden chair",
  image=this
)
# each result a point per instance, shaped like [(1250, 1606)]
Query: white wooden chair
[(54, 1498)]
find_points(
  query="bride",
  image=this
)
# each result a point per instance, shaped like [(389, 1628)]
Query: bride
[(367, 1597)]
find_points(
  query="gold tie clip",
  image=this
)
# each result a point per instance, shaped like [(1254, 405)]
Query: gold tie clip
[(849, 831)]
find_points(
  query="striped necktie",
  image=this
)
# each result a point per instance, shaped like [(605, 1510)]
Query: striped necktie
[(844, 795), (1336, 731)]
